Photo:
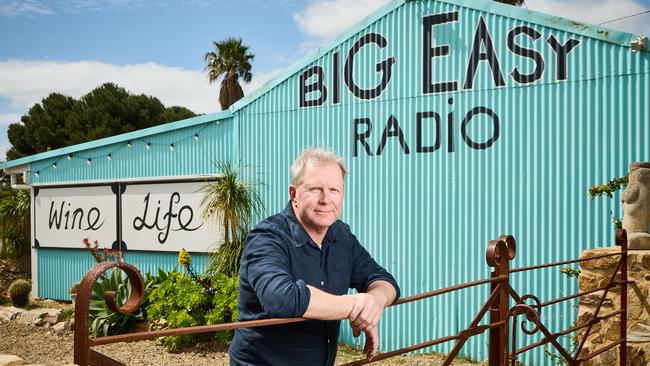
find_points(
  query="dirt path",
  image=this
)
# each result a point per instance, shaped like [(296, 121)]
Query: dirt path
[(38, 345)]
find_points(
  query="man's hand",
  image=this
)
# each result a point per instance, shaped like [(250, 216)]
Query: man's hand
[(372, 340), (366, 311)]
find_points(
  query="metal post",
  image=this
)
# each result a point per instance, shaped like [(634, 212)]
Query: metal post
[(499, 254), (621, 240)]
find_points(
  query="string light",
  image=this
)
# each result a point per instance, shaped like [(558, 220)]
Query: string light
[(129, 144)]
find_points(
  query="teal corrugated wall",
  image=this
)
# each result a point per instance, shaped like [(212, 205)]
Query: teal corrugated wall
[(429, 216), (59, 269)]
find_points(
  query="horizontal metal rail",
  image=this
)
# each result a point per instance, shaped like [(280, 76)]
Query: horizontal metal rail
[(515, 270)]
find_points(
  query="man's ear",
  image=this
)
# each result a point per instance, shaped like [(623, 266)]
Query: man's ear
[(292, 193)]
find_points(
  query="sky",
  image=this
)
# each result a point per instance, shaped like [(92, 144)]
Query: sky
[(156, 47)]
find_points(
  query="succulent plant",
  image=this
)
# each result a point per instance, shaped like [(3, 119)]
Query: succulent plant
[(20, 287)]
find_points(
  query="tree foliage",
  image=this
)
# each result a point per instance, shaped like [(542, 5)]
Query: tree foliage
[(231, 60), (60, 121)]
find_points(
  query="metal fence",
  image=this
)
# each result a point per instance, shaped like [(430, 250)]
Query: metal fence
[(502, 308)]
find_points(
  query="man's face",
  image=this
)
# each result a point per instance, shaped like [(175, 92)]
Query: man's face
[(318, 200)]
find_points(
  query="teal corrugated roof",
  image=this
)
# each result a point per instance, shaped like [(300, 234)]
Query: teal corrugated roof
[(119, 138)]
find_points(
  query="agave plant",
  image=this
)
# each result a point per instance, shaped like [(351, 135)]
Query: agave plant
[(103, 321), (234, 203)]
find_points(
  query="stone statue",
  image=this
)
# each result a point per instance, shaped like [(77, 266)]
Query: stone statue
[(636, 206)]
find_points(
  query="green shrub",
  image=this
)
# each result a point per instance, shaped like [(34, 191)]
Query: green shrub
[(20, 287), (182, 302)]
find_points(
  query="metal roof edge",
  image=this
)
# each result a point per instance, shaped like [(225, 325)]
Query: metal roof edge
[(166, 127), (551, 21)]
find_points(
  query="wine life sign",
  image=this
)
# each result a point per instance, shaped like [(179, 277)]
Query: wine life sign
[(150, 217)]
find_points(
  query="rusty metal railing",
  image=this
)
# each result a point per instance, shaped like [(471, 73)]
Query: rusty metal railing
[(498, 255)]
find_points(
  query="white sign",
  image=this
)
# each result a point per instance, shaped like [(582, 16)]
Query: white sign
[(167, 217), (63, 217)]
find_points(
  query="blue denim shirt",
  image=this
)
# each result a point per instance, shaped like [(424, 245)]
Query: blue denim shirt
[(278, 262)]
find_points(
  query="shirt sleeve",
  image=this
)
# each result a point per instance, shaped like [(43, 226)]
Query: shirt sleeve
[(365, 270), (267, 269)]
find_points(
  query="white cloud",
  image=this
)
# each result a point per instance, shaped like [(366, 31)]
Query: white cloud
[(9, 118), (26, 82), (16, 8), (327, 18), (598, 11)]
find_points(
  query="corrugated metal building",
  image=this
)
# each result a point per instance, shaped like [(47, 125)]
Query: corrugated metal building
[(459, 120)]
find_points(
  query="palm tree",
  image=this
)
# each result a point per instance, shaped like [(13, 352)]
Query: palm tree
[(231, 59), (234, 203), (512, 2)]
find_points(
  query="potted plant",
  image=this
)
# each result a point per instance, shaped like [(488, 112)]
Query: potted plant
[(73, 292), (19, 292)]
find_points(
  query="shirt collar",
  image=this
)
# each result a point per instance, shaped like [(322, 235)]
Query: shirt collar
[(299, 234)]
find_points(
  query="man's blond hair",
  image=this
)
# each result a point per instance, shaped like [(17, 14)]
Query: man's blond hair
[(312, 156)]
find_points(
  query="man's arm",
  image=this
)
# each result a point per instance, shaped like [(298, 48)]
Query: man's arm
[(325, 306), (383, 291)]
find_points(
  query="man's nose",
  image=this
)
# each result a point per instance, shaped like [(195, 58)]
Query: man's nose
[(324, 197)]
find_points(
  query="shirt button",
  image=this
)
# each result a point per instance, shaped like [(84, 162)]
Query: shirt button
[(322, 283)]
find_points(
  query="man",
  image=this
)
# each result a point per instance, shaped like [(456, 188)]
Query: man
[(301, 263)]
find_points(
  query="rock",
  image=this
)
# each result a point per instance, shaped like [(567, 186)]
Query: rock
[(593, 300), (600, 263), (10, 359), (639, 333), (38, 322), (53, 316), (59, 328), (31, 316), (10, 313)]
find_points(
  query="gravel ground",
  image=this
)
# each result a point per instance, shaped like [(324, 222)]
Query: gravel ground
[(38, 345)]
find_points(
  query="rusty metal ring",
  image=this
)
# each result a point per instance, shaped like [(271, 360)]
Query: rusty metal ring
[(137, 288), (511, 245), (493, 253)]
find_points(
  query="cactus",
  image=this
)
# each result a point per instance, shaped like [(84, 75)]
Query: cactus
[(20, 287), (19, 292)]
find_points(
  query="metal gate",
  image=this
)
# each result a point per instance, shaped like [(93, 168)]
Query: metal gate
[(503, 306)]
